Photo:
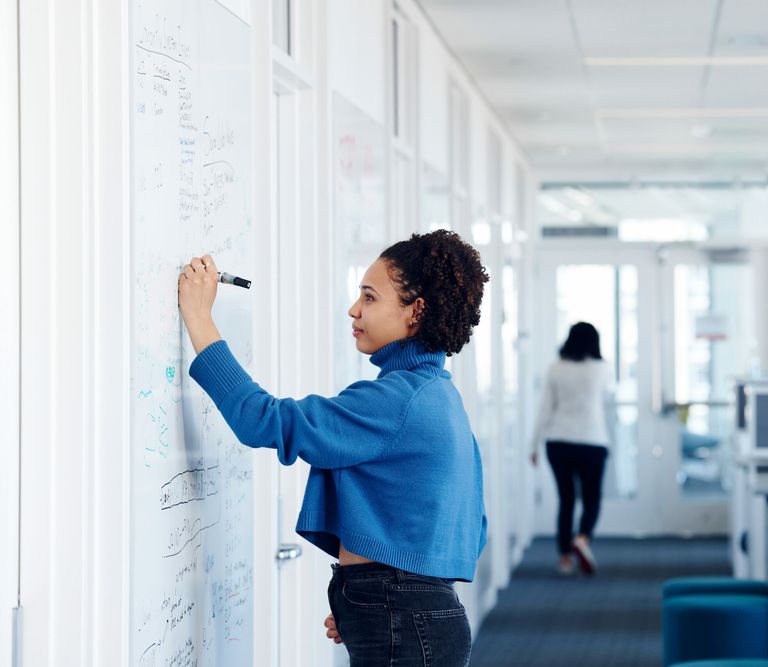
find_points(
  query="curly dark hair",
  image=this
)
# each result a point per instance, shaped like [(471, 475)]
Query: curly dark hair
[(448, 274)]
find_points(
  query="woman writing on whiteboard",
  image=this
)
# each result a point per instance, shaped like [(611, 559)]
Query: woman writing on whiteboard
[(395, 489)]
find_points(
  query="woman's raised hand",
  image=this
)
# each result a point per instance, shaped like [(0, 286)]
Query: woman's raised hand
[(197, 292)]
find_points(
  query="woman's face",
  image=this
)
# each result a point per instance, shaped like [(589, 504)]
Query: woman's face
[(378, 317)]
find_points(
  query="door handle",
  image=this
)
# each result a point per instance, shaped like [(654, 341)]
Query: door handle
[(288, 552)]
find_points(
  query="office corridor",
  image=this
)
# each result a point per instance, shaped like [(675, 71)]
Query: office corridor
[(613, 620), (420, 200)]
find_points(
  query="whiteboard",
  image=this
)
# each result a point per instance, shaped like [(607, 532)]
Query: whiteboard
[(191, 564), (359, 222)]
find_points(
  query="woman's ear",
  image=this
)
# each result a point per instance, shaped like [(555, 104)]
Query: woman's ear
[(418, 309)]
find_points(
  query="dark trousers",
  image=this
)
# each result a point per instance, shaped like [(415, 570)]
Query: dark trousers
[(391, 618), (569, 461)]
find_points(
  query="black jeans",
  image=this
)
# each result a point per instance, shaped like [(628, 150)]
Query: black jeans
[(388, 617), (587, 462)]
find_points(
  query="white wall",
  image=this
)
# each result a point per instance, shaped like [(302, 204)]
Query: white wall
[(356, 53), (433, 95), (752, 215)]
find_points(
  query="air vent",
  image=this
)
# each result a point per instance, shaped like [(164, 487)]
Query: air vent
[(748, 41), (588, 231), (728, 255)]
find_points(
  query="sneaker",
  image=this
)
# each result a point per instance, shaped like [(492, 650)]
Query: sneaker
[(565, 568), (584, 555)]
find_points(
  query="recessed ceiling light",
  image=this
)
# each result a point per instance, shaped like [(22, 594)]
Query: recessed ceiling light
[(742, 148), (579, 196), (701, 131), (752, 41), (553, 204), (695, 61), (736, 112)]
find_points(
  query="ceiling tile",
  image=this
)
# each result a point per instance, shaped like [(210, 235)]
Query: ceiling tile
[(647, 28), (645, 86), (737, 87)]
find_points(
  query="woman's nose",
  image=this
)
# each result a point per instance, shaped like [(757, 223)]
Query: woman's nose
[(354, 310)]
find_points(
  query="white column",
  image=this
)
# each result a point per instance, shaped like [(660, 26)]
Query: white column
[(759, 258), (74, 298), (9, 331)]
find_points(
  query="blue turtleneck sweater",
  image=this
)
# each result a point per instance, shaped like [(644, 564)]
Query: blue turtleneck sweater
[(396, 473)]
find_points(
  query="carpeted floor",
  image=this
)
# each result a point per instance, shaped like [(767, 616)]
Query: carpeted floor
[(611, 620)]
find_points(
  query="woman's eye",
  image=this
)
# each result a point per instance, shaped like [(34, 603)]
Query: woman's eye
[(368, 297)]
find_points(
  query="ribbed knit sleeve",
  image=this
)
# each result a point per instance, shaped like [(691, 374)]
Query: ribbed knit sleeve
[(356, 426), (216, 370)]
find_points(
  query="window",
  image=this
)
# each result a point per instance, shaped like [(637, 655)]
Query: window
[(607, 297), (712, 346), (359, 223)]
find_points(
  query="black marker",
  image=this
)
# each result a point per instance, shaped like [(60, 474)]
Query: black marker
[(229, 279)]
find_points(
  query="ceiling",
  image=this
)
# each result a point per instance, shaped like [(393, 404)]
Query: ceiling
[(622, 90), (686, 211)]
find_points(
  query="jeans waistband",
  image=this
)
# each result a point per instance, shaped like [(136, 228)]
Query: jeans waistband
[(380, 571)]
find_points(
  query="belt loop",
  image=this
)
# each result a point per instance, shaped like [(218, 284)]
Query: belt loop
[(400, 576)]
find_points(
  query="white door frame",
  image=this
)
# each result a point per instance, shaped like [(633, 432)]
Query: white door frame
[(299, 252), (286, 318), (658, 508)]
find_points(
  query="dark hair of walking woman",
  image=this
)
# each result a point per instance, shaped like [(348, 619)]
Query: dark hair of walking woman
[(583, 342)]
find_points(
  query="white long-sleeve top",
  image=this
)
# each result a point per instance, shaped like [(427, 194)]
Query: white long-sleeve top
[(573, 403)]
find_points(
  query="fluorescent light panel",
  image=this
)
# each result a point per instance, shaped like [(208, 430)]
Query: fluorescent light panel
[(682, 148), (683, 113), (661, 61)]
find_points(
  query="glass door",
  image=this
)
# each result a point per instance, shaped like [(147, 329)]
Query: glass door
[(708, 317), (607, 296), (613, 291)]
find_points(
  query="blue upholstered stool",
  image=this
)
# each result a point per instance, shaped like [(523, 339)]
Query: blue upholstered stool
[(706, 627), (711, 585), (733, 662)]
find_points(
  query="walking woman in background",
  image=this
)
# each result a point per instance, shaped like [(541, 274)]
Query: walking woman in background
[(395, 489), (574, 422)]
